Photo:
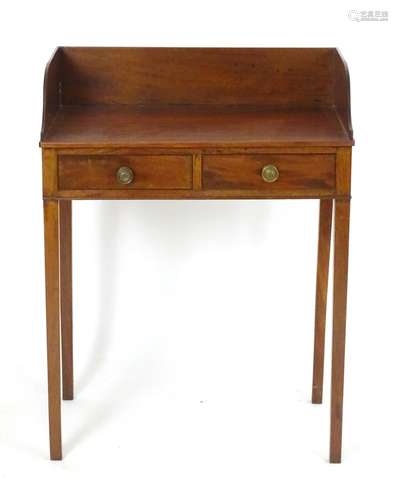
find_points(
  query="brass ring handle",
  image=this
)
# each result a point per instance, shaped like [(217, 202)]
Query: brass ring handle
[(125, 175), (270, 173)]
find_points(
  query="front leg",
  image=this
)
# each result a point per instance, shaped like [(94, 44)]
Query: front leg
[(341, 238), (51, 244)]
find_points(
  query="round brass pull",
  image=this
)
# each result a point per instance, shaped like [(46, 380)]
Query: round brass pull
[(270, 173), (125, 175)]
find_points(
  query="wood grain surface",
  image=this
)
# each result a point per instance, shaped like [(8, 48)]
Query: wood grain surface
[(193, 127)]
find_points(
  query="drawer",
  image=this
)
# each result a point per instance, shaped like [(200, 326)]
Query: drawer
[(270, 172), (125, 172)]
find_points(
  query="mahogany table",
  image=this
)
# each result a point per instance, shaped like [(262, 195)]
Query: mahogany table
[(176, 123)]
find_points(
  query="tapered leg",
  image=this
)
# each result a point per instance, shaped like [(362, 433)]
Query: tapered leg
[(325, 225), (51, 244), (341, 237), (65, 230)]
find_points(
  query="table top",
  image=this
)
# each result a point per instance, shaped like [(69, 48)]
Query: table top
[(187, 126)]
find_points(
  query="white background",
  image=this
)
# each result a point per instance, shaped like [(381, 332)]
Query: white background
[(194, 319)]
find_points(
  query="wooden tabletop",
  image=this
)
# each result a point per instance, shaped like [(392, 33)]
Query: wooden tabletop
[(187, 126)]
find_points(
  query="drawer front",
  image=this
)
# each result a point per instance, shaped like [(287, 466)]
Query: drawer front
[(270, 172), (140, 172)]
